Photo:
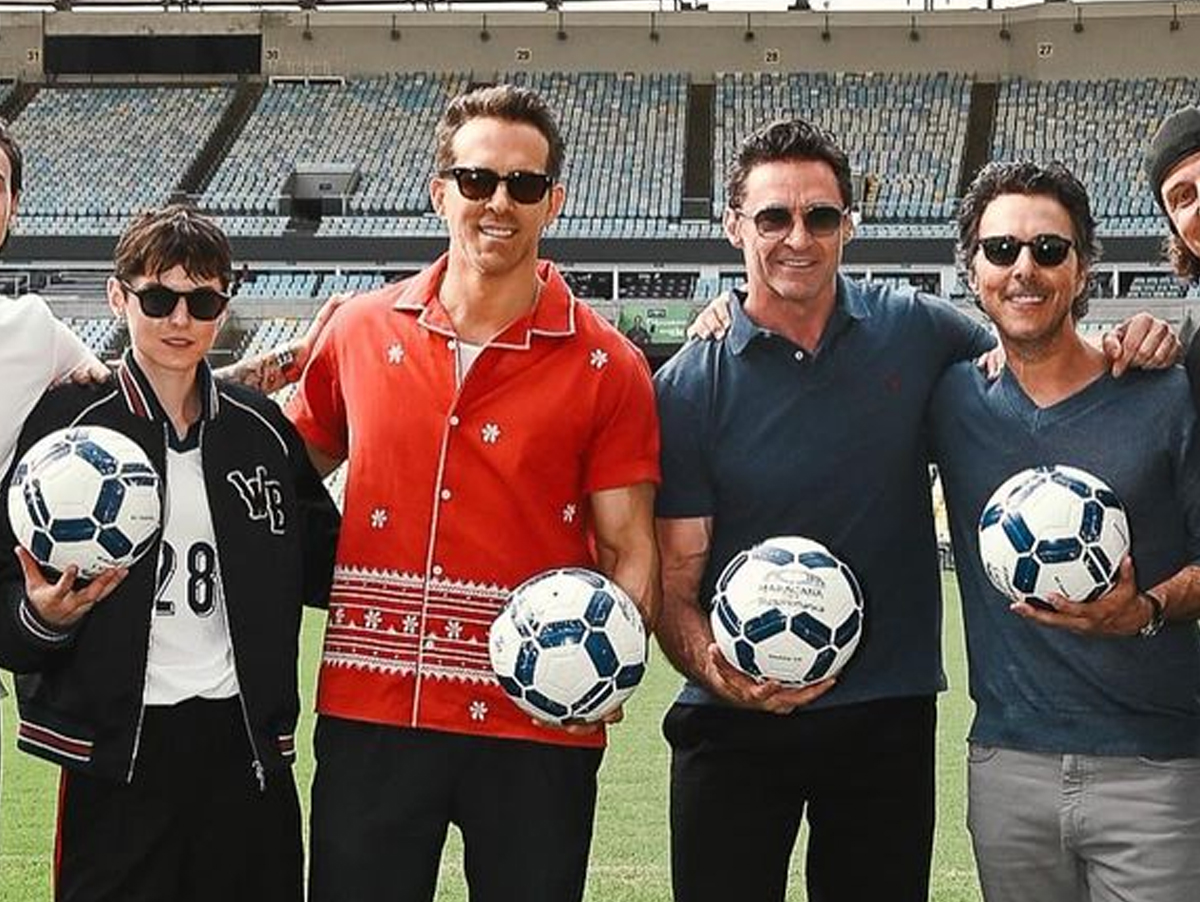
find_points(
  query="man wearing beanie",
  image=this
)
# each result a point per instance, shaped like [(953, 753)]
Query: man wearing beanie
[(1173, 171)]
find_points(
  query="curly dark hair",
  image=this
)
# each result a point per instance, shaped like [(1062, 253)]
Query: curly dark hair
[(1185, 263), (1052, 180)]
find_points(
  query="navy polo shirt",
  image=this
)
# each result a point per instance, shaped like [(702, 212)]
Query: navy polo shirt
[(768, 439)]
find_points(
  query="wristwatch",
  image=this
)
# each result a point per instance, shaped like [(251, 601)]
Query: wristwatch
[(1156, 621)]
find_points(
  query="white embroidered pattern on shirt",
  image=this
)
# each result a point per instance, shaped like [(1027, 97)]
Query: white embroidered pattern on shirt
[(386, 621)]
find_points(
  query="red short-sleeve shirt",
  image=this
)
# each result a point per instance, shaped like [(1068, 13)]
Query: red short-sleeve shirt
[(455, 494)]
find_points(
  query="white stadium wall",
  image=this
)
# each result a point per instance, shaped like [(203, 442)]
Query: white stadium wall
[(1046, 41)]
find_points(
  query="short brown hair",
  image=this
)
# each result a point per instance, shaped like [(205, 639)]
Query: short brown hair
[(787, 140), (176, 235), (507, 102)]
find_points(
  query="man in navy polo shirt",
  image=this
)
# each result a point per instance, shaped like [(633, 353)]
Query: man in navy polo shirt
[(806, 419), (1173, 172)]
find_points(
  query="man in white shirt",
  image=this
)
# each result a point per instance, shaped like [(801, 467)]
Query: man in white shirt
[(37, 350)]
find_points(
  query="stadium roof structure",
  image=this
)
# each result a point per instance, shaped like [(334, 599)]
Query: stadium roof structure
[(110, 6)]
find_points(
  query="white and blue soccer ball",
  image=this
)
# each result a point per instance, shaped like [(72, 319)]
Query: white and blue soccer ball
[(1053, 529), (569, 646), (788, 610), (86, 496)]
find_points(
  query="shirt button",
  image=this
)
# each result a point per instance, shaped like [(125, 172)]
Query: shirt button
[(437, 570), (445, 494), (799, 355), (452, 344), (454, 420)]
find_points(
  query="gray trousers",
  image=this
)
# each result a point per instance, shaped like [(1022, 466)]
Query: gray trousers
[(1084, 828)]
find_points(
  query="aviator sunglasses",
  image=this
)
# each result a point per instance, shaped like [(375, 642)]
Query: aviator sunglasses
[(774, 223), (1048, 250), (157, 301), (475, 183)]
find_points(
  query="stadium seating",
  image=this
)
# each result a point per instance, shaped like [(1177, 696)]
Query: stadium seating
[(95, 155), (383, 124), (270, 333), (263, 226), (68, 223), (102, 336), (1155, 286), (625, 140), (1099, 128), (428, 226), (334, 283), (626, 137), (279, 285), (905, 131)]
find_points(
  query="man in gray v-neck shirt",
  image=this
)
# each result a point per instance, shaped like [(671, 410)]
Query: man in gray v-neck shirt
[(1084, 774)]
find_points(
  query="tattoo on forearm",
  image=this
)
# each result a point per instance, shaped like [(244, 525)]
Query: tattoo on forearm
[(267, 372)]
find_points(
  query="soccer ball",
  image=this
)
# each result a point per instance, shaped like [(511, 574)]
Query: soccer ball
[(1053, 529), (569, 646), (788, 610), (86, 496)]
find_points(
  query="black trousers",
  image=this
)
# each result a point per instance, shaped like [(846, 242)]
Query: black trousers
[(742, 780), (193, 826), (383, 797)]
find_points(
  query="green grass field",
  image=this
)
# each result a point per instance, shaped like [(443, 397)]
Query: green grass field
[(629, 855)]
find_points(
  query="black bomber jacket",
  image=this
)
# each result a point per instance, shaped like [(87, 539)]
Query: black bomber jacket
[(80, 692)]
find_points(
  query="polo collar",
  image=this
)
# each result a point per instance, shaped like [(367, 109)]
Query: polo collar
[(849, 305), (742, 329), (553, 316), (850, 298), (143, 402)]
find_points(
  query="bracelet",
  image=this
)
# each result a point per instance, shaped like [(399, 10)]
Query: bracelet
[(1157, 619), (285, 359)]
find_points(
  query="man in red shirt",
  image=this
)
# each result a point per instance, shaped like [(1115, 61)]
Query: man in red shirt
[(494, 428)]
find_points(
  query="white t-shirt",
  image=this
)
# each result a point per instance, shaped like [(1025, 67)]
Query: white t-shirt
[(467, 355), (36, 350), (191, 654)]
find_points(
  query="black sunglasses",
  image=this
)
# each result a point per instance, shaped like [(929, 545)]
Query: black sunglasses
[(774, 223), (157, 301), (475, 183), (1048, 250)]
